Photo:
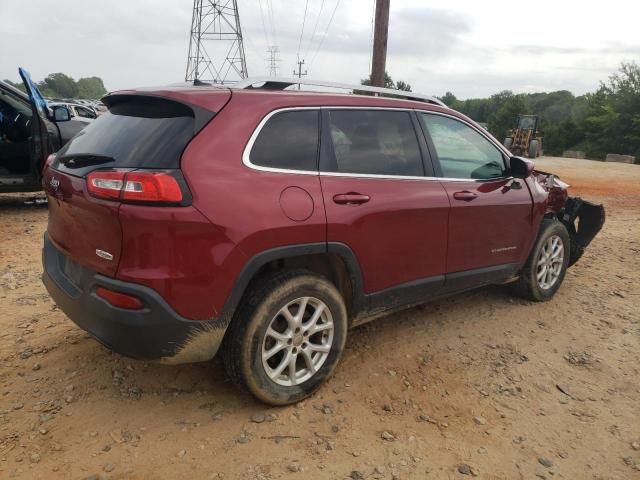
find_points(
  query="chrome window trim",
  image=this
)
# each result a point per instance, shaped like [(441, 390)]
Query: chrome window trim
[(252, 139), (246, 160)]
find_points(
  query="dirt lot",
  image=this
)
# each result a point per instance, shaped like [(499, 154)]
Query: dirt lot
[(479, 384)]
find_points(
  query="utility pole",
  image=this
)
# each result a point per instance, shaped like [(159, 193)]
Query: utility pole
[(299, 73), (272, 60), (216, 49), (380, 37)]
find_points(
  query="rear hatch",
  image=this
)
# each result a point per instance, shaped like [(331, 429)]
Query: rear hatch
[(130, 154)]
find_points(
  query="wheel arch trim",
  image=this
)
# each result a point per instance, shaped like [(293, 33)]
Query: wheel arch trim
[(259, 260)]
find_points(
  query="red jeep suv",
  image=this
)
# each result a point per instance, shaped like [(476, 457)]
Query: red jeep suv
[(264, 222)]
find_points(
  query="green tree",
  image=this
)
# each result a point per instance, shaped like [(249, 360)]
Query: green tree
[(504, 118), (59, 85), (612, 115), (18, 85), (389, 83), (605, 121), (90, 87), (405, 87), (450, 99)]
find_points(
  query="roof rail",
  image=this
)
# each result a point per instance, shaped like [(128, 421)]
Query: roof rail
[(277, 83)]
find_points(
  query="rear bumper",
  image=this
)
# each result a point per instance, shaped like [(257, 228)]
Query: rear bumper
[(155, 332)]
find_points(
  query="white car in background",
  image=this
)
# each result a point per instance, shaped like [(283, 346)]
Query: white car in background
[(83, 113)]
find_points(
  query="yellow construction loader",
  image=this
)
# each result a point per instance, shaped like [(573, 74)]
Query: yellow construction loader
[(525, 138)]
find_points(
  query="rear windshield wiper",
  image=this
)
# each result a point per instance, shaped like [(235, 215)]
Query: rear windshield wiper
[(79, 161)]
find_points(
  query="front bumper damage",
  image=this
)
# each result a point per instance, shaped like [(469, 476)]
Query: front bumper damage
[(583, 221)]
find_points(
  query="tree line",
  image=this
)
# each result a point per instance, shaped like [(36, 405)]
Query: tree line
[(60, 85), (605, 121)]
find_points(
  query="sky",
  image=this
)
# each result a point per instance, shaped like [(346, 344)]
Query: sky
[(471, 48)]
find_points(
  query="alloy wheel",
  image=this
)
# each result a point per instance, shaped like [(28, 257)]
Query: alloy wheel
[(297, 341), (550, 262)]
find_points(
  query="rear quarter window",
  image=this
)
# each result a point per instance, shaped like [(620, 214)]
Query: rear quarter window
[(288, 140)]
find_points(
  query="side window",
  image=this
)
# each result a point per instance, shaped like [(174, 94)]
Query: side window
[(463, 152), (85, 112), (288, 140), (375, 142)]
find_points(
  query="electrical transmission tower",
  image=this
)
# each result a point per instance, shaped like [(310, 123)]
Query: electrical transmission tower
[(272, 60), (216, 50)]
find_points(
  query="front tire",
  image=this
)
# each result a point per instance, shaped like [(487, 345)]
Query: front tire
[(547, 264), (287, 337)]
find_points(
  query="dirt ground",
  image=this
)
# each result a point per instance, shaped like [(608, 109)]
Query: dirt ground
[(482, 384)]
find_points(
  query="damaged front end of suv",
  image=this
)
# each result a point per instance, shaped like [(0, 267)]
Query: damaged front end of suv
[(582, 219)]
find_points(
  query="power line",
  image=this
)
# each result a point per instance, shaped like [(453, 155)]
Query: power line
[(272, 23), (325, 34), (264, 27), (373, 16), (315, 29), (304, 20)]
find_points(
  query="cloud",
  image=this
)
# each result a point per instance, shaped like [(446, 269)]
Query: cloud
[(466, 47), (426, 33)]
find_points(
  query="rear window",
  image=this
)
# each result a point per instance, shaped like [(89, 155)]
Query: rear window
[(138, 133), (289, 140)]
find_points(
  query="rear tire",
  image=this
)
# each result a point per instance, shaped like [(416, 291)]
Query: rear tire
[(307, 346), (533, 149), (547, 264)]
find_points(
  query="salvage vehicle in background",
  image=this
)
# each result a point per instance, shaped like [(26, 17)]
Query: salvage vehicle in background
[(29, 132), (525, 138), (83, 113), (265, 222)]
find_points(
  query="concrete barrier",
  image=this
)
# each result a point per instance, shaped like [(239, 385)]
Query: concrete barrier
[(614, 157), (573, 154)]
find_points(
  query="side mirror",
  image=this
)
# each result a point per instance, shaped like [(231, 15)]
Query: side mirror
[(521, 167), (61, 113)]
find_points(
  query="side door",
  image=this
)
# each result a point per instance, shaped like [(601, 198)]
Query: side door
[(491, 212), (44, 134), (380, 203)]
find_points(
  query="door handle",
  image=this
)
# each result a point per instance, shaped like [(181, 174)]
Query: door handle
[(465, 196), (351, 198)]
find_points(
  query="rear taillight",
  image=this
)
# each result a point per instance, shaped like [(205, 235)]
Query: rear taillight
[(138, 186), (151, 187), (106, 184)]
